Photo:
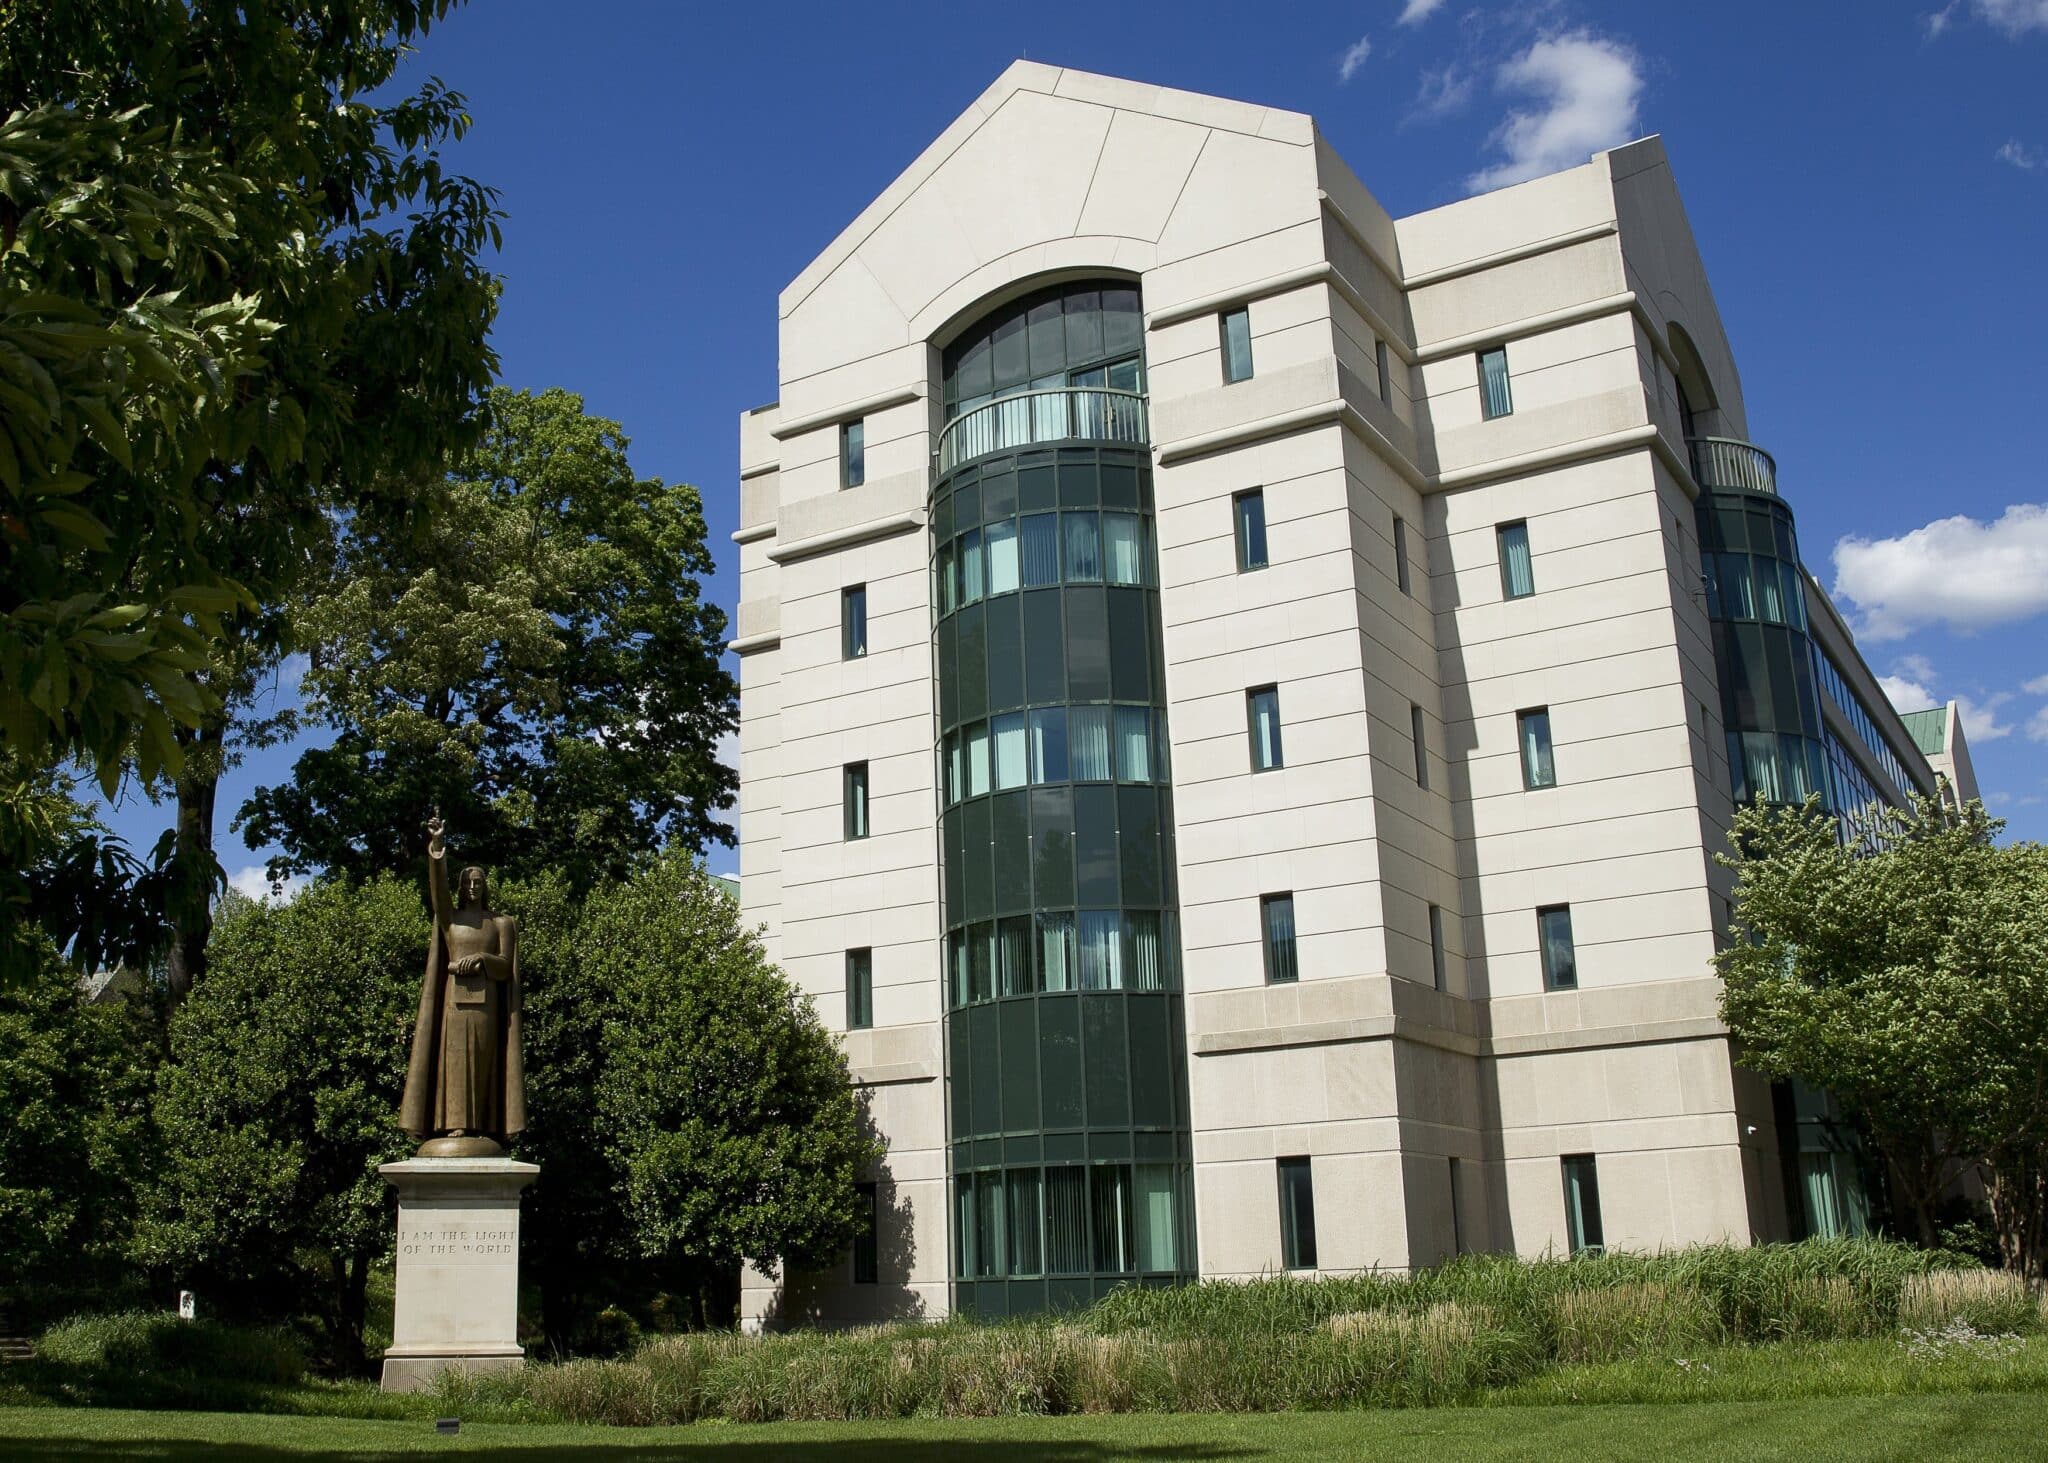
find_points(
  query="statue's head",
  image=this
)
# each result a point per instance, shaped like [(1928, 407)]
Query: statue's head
[(471, 889)]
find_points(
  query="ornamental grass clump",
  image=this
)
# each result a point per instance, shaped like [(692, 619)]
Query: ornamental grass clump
[(1638, 1318), (1991, 1301)]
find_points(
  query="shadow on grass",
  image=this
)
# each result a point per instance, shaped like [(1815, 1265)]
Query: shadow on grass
[(849, 1450)]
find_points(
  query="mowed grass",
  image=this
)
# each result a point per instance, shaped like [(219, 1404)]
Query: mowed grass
[(1951, 1425)]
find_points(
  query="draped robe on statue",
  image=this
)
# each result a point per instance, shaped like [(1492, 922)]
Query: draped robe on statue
[(466, 1074)]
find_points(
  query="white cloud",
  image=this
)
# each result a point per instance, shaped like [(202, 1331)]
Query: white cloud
[(2037, 726), (1587, 88), (2014, 17), (1956, 571), (1910, 687), (1348, 64), (1906, 694), (2036, 687), (253, 882), (2025, 158), (1939, 21), (1445, 89), (1417, 11)]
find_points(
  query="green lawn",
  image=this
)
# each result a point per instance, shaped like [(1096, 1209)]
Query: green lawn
[(1975, 1426)]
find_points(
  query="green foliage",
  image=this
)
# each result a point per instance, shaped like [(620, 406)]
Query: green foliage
[(232, 287), (74, 1085), (1906, 972), (158, 1341), (280, 1099), (724, 1104), (238, 298), (1456, 1334), (533, 654)]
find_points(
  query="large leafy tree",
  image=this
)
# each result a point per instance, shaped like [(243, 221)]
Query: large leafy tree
[(532, 652), (74, 1084), (239, 293), (1905, 970), (278, 1101), (725, 1105)]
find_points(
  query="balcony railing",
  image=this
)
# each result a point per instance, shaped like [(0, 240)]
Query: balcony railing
[(1055, 414), (1725, 464)]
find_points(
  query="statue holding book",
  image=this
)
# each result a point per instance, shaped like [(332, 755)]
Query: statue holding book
[(465, 1087)]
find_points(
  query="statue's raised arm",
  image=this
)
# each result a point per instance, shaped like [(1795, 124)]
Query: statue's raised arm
[(437, 870)]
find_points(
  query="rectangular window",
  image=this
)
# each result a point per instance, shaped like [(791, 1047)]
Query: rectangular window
[(1379, 351), (1401, 556), (1436, 945), (854, 803), (860, 989), (1237, 345), (1276, 924), (1249, 509), (1554, 938), (1297, 1215), (1262, 709), (867, 1244), (1421, 746), (1000, 542), (853, 622), (1517, 571), (853, 455), (1494, 398), (1582, 1205), (1532, 731)]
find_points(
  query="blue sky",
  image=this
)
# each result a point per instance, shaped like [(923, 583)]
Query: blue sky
[(1868, 184)]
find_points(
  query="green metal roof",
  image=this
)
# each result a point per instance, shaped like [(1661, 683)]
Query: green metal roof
[(729, 884), (1928, 729)]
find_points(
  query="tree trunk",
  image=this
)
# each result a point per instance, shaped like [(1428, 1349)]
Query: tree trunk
[(2016, 1178), (191, 899)]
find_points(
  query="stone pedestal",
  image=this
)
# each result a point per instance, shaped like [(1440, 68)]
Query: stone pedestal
[(457, 1302)]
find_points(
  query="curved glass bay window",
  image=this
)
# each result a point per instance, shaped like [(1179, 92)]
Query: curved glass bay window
[(1068, 1113), (1756, 598)]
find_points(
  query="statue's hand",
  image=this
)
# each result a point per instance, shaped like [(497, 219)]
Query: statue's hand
[(435, 828)]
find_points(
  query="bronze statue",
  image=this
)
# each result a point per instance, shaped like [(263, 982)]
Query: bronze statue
[(465, 1088)]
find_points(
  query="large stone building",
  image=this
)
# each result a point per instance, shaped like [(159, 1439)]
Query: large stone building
[(1240, 698)]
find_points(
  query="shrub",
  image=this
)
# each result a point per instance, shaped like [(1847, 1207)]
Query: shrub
[(139, 1344)]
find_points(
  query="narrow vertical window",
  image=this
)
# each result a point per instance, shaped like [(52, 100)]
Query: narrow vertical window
[(1262, 709), (1297, 1214), (853, 622), (1249, 509), (1494, 398), (1457, 1229), (1379, 352), (1436, 946), (855, 800), (1532, 730), (1517, 570), (1276, 925), (853, 453), (1582, 1227), (1237, 345), (1401, 556), (1560, 957), (1421, 746), (867, 1243), (860, 989)]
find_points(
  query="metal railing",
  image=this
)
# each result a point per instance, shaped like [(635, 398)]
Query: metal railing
[(1724, 463), (1054, 414)]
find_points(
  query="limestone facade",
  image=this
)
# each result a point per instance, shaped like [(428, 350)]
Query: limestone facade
[(1432, 1076)]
